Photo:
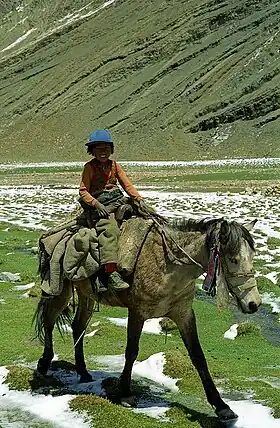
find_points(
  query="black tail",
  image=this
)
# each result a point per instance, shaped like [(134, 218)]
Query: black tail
[(42, 312)]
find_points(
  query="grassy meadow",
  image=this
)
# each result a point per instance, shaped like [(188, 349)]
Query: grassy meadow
[(247, 365), (185, 178)]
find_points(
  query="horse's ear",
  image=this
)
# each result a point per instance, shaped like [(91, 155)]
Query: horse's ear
[(224, 232), (249, 226)]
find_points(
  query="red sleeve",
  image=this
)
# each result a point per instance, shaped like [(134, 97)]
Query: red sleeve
[(126, 184), (85, 185)]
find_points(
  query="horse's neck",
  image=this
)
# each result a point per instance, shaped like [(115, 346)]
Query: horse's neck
[(194, 244)]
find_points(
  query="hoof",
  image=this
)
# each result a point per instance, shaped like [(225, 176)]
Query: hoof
[(85, 378), (42, 368), (128, 402), (226, 414)]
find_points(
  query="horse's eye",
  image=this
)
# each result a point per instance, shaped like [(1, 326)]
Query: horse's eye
[(233, 260)]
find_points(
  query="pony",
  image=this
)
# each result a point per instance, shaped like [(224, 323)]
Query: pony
[(162, 284)]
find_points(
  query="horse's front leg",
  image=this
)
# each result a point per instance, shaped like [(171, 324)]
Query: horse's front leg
[(134, 330), (80, 322), (187, 326)]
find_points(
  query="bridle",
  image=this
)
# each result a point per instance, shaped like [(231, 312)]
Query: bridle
[(217, 259), (215, 265)]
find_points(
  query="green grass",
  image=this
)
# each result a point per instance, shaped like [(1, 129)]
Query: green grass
[(239, 365), (265, 285), (273, 243), (182, 178)]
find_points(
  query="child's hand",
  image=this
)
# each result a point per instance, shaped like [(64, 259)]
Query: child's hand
[(101, 210), (145, 208)]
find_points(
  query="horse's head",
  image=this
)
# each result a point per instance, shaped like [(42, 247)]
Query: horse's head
[(228, 259), (236, 247)]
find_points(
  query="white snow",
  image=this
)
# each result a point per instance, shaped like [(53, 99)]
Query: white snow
[(272, 300), (220, 162), (47, 408), (92, 333), (272, 276), (24, 287), (152, 369), (150, 326), (157, 412), (253, 415), (66, 328), (9, 277), (95, 324), (19, 40), (18, 23), (231, 333), (63, 22)]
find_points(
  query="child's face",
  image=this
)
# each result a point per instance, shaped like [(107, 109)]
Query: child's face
[(102, 151)]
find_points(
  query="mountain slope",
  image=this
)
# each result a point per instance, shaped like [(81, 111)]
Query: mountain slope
[(170, 79)]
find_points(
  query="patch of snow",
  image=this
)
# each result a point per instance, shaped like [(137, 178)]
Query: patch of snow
[(272, 276), (275, 265), (24, 287), (150, 326), (231, 333), (152, 369), (113, 361), (157, 412), (92, 333), (216, 162), (93, 12), (272, 300), (45, 407), (95, 324), (9, 277), (75, 17), (66, 328), (18, 23), (253, 415), (19, 40), (66, 17), (25, 295)]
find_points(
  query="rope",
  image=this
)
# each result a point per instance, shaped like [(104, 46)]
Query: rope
[(165, 236)]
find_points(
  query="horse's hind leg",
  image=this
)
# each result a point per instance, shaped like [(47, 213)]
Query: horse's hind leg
[(82, 317), (134, 330), (49, 309), (187, 326)]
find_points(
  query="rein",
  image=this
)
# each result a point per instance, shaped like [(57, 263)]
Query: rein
[(165, 236)]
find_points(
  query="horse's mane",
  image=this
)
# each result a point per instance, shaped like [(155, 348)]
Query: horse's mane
[(235, 232)]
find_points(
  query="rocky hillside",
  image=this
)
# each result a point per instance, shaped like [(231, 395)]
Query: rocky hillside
[(171, 79)]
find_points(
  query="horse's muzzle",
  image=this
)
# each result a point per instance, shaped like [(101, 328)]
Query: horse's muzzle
[(253, 307)]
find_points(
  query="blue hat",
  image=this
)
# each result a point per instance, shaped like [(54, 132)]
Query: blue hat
[(99, 136)]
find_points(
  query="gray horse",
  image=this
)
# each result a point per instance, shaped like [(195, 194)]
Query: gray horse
[(163, 285)]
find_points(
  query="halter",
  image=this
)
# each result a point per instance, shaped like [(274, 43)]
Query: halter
[(214, 266)]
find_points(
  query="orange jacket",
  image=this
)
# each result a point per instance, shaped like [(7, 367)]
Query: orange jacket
[(96, 178)]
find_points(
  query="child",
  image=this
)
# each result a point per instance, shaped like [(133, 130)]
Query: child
[(99, 187)]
